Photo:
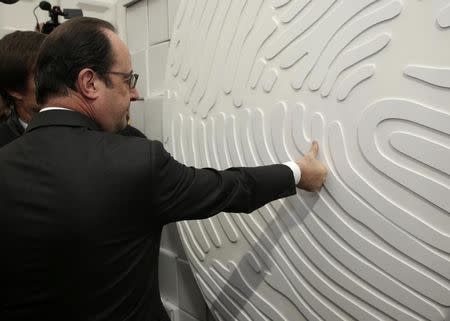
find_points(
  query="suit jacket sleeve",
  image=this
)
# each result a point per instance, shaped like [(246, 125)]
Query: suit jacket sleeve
[(185, 193)]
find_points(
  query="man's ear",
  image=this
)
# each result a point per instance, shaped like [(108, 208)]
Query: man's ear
[(88, 83)]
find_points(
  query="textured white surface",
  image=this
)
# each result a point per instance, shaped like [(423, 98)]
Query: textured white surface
[(431, 75), (254, 82)]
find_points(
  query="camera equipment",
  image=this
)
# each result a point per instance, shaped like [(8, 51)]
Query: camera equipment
[(54, 13)]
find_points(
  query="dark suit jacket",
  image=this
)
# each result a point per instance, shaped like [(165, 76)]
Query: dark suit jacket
[(82, 212)]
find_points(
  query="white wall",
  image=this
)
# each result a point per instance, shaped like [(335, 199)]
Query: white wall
[(103, 9)]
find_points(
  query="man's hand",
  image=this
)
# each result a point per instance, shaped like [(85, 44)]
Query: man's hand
[(313, 171)]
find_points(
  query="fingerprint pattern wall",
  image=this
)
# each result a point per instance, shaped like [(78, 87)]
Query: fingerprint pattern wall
[(253, 82)]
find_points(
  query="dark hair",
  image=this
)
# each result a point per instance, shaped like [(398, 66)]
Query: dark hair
[(18, 53), (76, 44)]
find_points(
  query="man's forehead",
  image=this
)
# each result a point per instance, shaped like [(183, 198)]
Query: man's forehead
[(120, 49)]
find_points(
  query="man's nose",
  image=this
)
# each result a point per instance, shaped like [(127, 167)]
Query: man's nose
[(134, 94)]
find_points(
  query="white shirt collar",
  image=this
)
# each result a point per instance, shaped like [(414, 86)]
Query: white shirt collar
[(24, 124), (54, 108)]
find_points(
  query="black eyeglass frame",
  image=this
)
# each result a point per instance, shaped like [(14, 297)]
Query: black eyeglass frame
[(131, 78)]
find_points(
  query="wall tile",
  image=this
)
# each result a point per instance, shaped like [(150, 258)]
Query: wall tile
[(170, 240), (173, 9), (137, 26), (168, 276), (157, 57), (139, 60), (157, 21), (209, 315), (190, 299), (183, 316), (137, 118), (172, 310), (153, 118)]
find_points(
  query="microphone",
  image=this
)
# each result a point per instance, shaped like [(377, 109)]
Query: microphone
[(44, 5), (9, 1)]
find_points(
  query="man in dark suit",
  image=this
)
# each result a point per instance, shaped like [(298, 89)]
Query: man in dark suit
[(82, 208)]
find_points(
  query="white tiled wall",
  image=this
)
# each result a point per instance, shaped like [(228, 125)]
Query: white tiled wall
[(139, 60), (146, 27), (136, 26), (153, 116), (137, 116), (157, 59), (158, 21), (172, 8)]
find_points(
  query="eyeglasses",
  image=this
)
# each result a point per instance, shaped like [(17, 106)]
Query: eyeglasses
[(130, 78)]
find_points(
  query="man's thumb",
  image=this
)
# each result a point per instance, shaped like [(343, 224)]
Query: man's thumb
[(314, 149)]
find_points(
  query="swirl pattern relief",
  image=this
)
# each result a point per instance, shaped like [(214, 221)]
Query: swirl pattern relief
[(253, 82)]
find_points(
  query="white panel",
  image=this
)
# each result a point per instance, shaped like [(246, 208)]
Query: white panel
[(158, 24), (137, 26), (6, 30), (209, 316), (172, 11), (153, 117), (139, 61), (137, 115), (170, 240), (175, 314), (168, 283), (172, 310), (254, 82), (189, 296), (183, 316), (157, 67), (102, 9)]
